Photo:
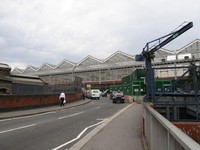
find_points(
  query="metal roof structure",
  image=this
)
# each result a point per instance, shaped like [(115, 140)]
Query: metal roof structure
[(113, 68), (88, 62), (33, 80), (4, 69)]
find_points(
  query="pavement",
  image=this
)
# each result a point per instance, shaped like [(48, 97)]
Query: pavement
[(34, 111), (119, 132)]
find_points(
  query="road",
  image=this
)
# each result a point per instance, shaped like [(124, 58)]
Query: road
[(56, 129)]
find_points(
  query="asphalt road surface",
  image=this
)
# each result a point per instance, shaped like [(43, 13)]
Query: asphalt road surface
[(56, 129)]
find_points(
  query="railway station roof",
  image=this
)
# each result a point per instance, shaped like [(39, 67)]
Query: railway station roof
[(118, 60)]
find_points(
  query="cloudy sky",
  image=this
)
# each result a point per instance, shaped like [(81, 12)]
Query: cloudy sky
[(36, 31)]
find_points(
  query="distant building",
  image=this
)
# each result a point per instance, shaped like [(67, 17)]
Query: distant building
[(18, 84), (102, 72), (5, 81)]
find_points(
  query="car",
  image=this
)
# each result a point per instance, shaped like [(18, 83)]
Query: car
[(118, 97), (94, 94)]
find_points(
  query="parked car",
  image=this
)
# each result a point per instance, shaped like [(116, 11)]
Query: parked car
[(118, 97)]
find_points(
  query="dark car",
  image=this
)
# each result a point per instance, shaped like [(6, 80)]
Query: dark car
[(118, 97)]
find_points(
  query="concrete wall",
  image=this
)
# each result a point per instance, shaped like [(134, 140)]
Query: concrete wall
[(11, 102)]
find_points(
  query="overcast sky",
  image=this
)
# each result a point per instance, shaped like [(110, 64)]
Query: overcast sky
[(36, 31)]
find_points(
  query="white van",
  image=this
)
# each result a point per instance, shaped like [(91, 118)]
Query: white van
[(94, 94)]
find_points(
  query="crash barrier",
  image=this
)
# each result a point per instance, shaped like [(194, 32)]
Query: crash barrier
[(16, 101), (159, 133)]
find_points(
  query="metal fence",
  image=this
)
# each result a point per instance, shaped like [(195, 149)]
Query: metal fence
[(23, 89), (31, 89), (160, 134), (183, 102)]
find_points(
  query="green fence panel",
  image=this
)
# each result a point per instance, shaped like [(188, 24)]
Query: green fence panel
[(134, 85)]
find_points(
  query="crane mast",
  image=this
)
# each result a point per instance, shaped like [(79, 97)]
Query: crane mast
[(148, 54)]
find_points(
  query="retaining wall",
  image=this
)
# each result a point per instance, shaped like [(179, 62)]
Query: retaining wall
[(14, 101)]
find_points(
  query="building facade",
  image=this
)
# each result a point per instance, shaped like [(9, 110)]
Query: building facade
[(5, 81)]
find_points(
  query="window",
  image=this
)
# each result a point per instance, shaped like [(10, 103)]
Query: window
[(163, 60), (186, 57)]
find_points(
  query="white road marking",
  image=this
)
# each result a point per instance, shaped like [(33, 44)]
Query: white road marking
[(80, 134), (91, 134), (96, 108), (27, 116), (71, 115), (17, 128), (100, 119)]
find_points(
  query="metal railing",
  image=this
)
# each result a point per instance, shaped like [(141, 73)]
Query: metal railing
[(160, 134), (25, 89)]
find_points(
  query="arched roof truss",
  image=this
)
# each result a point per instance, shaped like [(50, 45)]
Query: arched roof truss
[(119, 57), (65, 64), (46, 66), (193, 47), (89, 60), (30, 69), (17, 71), (163, 53)]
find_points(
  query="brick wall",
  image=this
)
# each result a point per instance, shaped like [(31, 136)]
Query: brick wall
[(192, 129), (10, 101)]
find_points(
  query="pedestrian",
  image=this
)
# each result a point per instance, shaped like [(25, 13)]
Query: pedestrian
[(62, 99), (83, 94)]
